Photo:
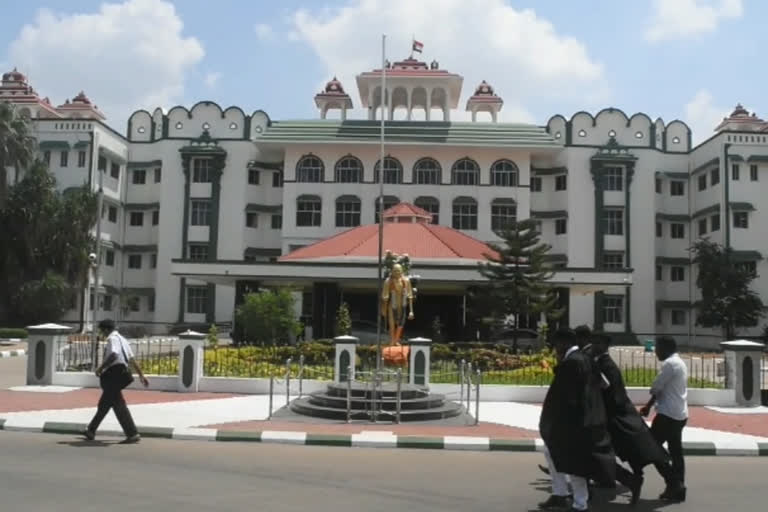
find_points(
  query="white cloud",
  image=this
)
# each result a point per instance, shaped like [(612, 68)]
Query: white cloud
[(521, 54), (212, 78), (126, 56), (263, 31), (702, 115), (680, 19)]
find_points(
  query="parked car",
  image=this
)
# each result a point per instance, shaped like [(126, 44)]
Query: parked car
[(527, 339)]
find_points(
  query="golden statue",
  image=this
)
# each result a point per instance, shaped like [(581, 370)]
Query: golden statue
[(396, 307)]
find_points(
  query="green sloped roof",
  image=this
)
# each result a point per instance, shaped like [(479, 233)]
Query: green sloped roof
[(408, 132)]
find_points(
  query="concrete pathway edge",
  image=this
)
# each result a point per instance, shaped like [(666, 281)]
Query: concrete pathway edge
[(12, 353), (368, 439)]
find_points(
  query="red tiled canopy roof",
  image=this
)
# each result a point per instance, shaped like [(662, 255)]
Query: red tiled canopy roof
[(420, 240)]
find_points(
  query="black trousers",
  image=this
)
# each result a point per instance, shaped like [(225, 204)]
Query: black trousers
[(112, 398), (670, 431)]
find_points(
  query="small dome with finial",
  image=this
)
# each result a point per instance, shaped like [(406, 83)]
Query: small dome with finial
[(14, 76), (484, 89), (739, 111), (334, 87)]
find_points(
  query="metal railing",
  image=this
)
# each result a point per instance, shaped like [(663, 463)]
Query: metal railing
[(466, 372), (285, 380), (157, 356)]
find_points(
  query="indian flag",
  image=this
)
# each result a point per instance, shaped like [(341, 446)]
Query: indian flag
[(417, 46)]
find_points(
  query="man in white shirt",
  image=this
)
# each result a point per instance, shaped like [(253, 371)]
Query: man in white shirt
[(114, 375), (669, 393)]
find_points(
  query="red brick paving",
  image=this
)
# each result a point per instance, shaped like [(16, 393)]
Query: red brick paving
[(751, 424), (17, 401), (494, 430)]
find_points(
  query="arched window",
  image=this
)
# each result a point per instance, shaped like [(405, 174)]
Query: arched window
[(427, 171), (504, 173), (503, 214), (347, 211), (464, 213), (465, 172), (430, 204), (389, 202), (349, 169), (308, 210), (393, 171), (309, 169)]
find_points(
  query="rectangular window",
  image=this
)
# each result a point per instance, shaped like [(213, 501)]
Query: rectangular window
[(155, 217), (81, 157), (749, 267), (253, 176), (613, 222), (139, 177), (308, 212), (703, 182), (614, 179), (277, 179), (347, 213), (659, 230), (201, 213), (677, 274), (714, 177), (464, 215), (659, 186), (678, 317), (64, 159), (735, 172), (659, 272), (198, 252), (536, 184), (102, 164), (197, 299), (741, 220), (561, 182), (502, 216), (561, 226), (277, 221), (47, 158), (109, 258), (106, 303), (677, 188), (151, 303), (134, 261), (677, 230), (153, 260), (252, 219), (135, 304), (613, 309), (613, 260), (702, 226), (114, 170), (753, 172), (137, 218), (714, 222), (158, 175), (659, 316), (112, 214), (201, 170)]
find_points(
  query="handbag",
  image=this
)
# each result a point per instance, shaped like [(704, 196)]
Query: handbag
[(125, 377)]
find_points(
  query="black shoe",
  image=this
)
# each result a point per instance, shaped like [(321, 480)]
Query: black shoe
[(555, 502), (544, 469), (578, 509), (635, 487), (90, 435), (135, 438), (676, 494)]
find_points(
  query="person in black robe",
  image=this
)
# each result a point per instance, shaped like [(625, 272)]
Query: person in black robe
[(632, 440), (573, 423)]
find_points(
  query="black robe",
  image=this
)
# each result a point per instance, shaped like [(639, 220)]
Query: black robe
[(632, 439), (573, 422)]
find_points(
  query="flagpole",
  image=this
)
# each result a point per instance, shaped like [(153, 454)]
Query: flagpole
[(381, 199)]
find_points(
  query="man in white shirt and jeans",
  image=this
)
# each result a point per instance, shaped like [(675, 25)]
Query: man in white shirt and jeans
[(670, 395), (117, 358)]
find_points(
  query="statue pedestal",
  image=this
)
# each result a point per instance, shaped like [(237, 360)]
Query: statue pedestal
[(345, 357), (420, 349), (742, 365)]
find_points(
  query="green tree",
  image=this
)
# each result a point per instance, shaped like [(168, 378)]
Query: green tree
[(343, 320), (17, 146), (727, 300), (45, 240), (213, 336), (268, 317), (517, 276)]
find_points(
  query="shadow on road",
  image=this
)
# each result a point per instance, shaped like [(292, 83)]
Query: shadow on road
[(84, 443), (606, 500)]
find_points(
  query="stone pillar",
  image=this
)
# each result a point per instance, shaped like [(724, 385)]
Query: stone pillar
[(43, 345), (346, 355), (191, 356), (742, 370), (419, 361)]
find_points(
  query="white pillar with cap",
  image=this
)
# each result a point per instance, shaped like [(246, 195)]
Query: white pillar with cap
[(43, 344), (742, 370), (191, 355)]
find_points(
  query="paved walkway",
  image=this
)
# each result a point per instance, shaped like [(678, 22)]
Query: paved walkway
[(213, 415)]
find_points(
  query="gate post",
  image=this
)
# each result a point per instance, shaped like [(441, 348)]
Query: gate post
[(420, 349), (191, 354), (345, 357), (742, 370), (43, 343)]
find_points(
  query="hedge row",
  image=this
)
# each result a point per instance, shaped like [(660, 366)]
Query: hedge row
[(12, 332)]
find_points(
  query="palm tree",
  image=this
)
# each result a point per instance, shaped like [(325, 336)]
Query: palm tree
[(17, 146)]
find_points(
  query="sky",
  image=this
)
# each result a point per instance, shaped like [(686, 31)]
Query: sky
[(675, 59)]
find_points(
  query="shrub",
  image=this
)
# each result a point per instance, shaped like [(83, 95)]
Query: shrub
[(343, 320), (12, 332)]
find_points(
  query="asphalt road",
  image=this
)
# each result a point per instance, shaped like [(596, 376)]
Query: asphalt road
[(57, 473)]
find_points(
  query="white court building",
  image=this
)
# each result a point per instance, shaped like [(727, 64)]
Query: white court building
[(202, 202)]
